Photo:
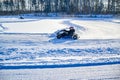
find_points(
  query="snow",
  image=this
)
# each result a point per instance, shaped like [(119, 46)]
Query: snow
[(106, 72), (90, 28), (31, 43), (96, 31), (40, 26)]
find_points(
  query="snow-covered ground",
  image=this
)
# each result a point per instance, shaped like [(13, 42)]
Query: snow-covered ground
[(106, 72), (31, 43)]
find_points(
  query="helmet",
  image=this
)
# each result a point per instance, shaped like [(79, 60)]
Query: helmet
[(71, 27)]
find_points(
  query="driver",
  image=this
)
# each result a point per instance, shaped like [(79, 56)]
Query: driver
[(71, 31)]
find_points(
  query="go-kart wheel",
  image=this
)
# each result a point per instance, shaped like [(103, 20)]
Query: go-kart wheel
[(75, 37), (58, 36)]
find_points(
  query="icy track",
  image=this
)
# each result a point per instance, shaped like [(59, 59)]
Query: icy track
[(31, 43)]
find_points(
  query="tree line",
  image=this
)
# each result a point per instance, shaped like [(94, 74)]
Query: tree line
[(13, 7)]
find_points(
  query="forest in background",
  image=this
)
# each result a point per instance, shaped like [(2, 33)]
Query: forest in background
[(67, 7)]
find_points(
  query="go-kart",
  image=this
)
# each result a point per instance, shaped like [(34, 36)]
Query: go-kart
[(65, 34)]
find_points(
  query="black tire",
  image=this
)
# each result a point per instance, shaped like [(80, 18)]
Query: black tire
[(75, 37), (58, 36)]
